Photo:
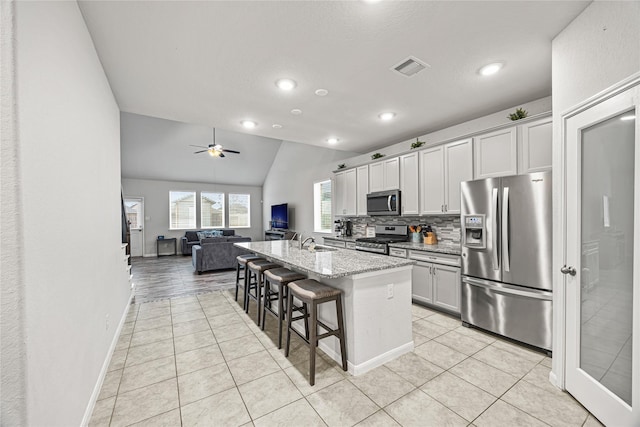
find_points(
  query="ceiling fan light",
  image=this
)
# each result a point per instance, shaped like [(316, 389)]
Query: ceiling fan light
[(212, 152)]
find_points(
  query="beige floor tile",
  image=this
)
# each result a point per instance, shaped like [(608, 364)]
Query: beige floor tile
[(445, 321), (342, 404), (428, 329), (461, 343), (539, 376), (212, 311), (519, 350), (268, 393), (213, 298), (168, 419), (546, 362), (379, 419), (439, 354), (504, 360), (185, 300), (149, 306), (592, 422), (193, 341), (188, 315), (230, 332), (254, 366), (298, 412), (476, 334), (147, 352), (486, 377), (148, 373), (124, 341), (186, 307), (551, 408), (461, 397), (223, 409), (226, 320), (153, 323), (414, 368), (117, 360), (270, 339), (154, 312), (143, 403), (110, 384), (190, 327), (240, 347), (394, 385), (501, 414), (205, 382), (418, 409), (421, 311), (127, 328), (102, 411), (325, 376), (152, 335), (419, 339), (199, 358)]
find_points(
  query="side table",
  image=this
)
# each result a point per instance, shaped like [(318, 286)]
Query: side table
[(164, 246)]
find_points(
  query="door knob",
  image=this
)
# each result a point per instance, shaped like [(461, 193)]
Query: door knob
[(568, 270)]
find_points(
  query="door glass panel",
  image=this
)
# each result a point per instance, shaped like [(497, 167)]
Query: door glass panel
[(606, 279), (134, 213)]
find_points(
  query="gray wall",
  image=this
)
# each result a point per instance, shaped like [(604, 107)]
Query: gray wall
[(70, 265), (156, 207)]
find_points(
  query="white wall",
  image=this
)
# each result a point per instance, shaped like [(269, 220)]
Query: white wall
[(69, 179), (598, 49), (291, 178), (156, 207)]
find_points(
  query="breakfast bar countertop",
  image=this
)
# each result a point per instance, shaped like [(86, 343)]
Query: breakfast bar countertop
[(329, 264), (443, 248)]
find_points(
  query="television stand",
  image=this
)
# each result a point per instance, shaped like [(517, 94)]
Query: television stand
[(278, 234)]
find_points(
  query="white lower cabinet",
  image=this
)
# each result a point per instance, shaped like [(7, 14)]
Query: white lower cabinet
[(436, 280)]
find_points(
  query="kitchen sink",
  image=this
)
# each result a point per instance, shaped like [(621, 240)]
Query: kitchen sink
[(320, 248)]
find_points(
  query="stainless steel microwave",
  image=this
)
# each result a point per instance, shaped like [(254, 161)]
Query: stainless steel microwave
[(383, 203)]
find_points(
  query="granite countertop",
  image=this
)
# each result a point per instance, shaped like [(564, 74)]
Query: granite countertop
[(330, 264), (443, 248), (341, 238)]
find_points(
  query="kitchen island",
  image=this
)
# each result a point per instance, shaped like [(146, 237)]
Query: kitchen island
[(376, 297)]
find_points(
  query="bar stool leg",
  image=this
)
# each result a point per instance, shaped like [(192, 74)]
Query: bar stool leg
[(305, 307), (267, 292), (313, 342), (281, 289), (343, 350), (289, 304), (237, 278), (260, 278)]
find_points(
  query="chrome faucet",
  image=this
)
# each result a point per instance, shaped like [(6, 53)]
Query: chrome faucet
[(302, 242)]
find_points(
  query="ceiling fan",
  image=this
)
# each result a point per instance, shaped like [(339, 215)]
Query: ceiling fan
[(214, 150)]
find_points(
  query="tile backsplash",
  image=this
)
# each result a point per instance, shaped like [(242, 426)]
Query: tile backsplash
[(447, 228)]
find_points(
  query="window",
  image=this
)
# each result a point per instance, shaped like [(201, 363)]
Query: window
[(182, 210), (212, 210), (322, 207), (239, 210)]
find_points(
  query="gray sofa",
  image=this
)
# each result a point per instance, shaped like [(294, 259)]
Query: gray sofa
[(190, 238), (217, 253)]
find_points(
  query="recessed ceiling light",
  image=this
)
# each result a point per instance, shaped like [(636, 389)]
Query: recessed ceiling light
[(286, 84), (628, 117), (322, 92), (296, 111), (249, 124), (333, 141), (387, 116), (490, 69), (276, 126)]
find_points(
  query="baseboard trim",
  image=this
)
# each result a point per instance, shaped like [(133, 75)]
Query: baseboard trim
[(107, 361), (371, 363)]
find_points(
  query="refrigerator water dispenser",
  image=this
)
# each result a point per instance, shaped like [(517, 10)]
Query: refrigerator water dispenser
[(475, 233)]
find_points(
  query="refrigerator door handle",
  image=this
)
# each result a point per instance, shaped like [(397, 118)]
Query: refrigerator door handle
[(505, 229), (505, 289), (494, 231)]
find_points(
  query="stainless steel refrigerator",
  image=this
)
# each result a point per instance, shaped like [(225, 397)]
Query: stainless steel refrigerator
[(506, 256)]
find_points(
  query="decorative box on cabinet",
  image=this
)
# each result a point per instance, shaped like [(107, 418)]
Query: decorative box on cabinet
[(495, 153)]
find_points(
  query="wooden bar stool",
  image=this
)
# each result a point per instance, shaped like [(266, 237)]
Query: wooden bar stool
[(242, 265), (256, 269), (313, 293), (280, 277)]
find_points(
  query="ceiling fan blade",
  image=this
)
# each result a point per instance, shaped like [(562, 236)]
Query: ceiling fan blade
[(201, 151), (231, 151), (199, 146), (221, 155)]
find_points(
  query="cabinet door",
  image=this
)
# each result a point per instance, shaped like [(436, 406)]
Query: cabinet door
[(362, 188), (392, 174), (376, 177), (446, 287), (432, 181), (495, 153), (535, 145), (409, 184), (458, 167), (339, 191), (421, 282), (350, 192)]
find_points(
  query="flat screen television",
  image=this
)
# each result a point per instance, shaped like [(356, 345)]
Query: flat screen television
[(280, 216)]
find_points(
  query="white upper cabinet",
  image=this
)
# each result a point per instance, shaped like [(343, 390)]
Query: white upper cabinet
[(409, 184), (458, 167), (534, 146), (496, 153), (432, 181), (384, 175), (362, 189), (339, 193), (345, 192)]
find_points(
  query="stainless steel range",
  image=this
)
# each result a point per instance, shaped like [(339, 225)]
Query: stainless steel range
[(385, 234)]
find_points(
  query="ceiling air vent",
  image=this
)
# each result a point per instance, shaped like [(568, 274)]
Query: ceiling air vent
[(410, 66)]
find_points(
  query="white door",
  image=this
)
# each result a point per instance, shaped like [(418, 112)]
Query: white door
[(134, 207), (602, 259)]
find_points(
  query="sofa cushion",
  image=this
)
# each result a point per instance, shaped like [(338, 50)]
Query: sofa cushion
[(217, 239), (191, 236)]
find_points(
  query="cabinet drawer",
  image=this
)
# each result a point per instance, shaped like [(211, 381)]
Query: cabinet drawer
[(334, 243), (350, 245), (453, 260), (401, 253)]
